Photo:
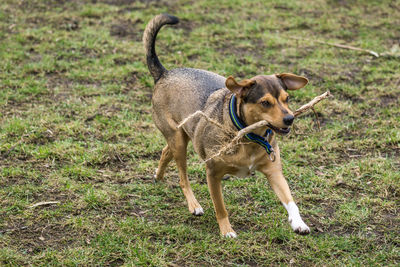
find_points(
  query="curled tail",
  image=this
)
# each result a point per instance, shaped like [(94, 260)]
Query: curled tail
[(149, 39)]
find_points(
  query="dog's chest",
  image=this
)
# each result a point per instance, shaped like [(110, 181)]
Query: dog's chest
[(248, 168)]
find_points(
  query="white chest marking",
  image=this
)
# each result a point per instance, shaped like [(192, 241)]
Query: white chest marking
[(252, 163), (245, 171)]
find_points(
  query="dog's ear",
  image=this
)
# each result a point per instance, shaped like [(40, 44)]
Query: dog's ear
[(292, 81), (239, 88)]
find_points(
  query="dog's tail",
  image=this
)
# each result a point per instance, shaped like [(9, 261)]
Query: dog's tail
[(149, 40)]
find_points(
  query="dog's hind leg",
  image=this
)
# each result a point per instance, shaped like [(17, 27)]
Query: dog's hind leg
[(166, 157), (177, 143)]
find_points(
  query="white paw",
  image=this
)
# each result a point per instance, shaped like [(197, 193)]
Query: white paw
[(198, 211), (230, 235), (299, 226), (155, 174), (295, 219)]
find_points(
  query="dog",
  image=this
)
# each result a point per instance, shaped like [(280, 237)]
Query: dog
[(181, 92)]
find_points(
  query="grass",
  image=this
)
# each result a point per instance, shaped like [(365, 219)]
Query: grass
[(76, 127)]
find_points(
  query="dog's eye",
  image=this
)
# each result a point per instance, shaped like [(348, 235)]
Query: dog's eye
[(266, 104), (287, 99)]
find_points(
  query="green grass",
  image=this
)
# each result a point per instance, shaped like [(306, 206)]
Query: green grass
[(76, 127)]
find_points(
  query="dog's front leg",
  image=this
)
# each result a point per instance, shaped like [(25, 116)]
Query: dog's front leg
[(273, 171), (214, 185)]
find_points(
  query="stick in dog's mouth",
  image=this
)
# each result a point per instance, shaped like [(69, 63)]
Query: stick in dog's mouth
[(250, 128), (282, 131)]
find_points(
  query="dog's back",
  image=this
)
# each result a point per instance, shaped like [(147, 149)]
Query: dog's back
[(195, 86)]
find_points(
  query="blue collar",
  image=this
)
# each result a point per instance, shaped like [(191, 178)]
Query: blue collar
[(262, 141)]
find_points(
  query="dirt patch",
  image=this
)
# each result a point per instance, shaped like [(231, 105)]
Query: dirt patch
[(121, 61), (131, 78), (322, 118), (123, 2), (107, 111), (230, 48), (19, 179), (346, 153), (283, 7), (340, 3), (126, 29), (149, 155), (36, 234), (314, 78), (389, 100), (353, 98), (350, 134), (43, 5), (37, 21), (124, 209), (351, 76), (380, 223), (186, 25), (112, 159), (66, 23), (53, 194), (63, 84), (43, 235)]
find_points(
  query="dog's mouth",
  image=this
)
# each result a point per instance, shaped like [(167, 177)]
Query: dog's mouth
[(282, 131)]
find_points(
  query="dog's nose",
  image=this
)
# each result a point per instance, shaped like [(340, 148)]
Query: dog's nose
[(288, 119)]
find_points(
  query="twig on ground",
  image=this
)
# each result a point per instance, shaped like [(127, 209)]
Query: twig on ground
[(44, 203), (375, 54), (14, 146), (13, 230)]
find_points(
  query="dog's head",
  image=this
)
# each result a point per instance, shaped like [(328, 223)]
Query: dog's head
[(265, 97)]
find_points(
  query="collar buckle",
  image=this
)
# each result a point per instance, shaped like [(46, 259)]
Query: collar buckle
[(272, 156)]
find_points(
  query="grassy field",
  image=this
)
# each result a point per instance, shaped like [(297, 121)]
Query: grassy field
[(76, 127)]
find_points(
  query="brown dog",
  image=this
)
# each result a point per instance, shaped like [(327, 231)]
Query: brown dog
[(179, 93)]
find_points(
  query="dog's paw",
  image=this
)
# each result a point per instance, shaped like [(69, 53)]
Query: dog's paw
[(198, 211), (295, 220), (230, 235), (156, 177), (298, 226)]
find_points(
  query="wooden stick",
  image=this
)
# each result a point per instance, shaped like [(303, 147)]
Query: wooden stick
[(239, 135), (251, 128), (200, 113), (312, 103), (375, 54)]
